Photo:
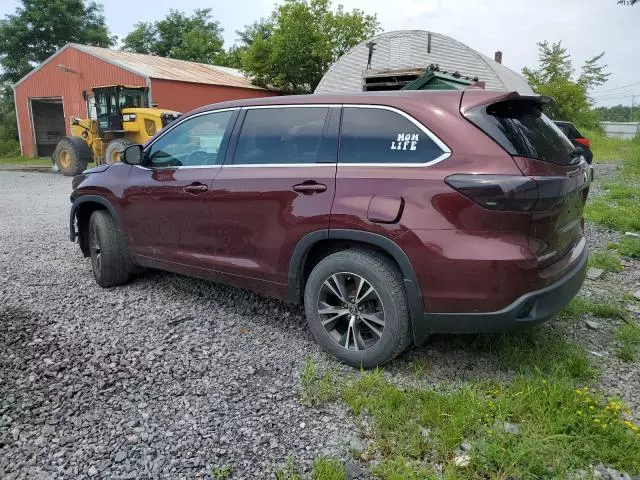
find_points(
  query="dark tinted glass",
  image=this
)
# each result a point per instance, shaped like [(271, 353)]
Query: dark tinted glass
[(374, 135), (569, 130), (523, 129), (280, 136), (195, 142)]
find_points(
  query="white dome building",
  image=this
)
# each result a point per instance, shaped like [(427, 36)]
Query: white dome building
[(402, 56)]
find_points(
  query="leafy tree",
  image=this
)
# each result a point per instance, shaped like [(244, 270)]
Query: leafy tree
[(40, 27), (555, 77), (618, 113), (34, 32), (294, 47), (197, 38)]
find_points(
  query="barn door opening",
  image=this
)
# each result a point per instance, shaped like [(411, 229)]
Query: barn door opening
[(47, 115)]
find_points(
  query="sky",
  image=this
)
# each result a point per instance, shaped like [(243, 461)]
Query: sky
[(585, 27)]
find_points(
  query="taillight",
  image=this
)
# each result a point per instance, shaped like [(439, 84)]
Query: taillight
[(584, 142), (511, 193)]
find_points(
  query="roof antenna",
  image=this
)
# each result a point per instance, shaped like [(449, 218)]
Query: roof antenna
[(372, 47)]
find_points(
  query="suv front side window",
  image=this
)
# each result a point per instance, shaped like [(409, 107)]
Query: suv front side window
[(380, 136), (194, 142)]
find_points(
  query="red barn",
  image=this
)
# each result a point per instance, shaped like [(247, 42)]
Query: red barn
[(48, 96)]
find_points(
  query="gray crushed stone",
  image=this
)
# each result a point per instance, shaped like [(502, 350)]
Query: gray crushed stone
[(169, 376)]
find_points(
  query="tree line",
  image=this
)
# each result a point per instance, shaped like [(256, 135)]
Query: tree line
[(290, 50)]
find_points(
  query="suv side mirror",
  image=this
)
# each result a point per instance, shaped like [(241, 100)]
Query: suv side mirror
[(132, 155)]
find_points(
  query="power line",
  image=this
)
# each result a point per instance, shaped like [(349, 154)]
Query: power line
[(613, 97), (617, 88)]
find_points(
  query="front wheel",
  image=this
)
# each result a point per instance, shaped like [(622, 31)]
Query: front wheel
[(356, 308), (109, 257)]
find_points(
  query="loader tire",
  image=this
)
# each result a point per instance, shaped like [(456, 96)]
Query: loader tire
[(72, 155), (115, 147)]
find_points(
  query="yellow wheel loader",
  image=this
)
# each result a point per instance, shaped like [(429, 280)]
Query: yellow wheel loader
[(122, 117)]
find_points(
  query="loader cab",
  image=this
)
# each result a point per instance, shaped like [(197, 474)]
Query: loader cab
[(109, 102)]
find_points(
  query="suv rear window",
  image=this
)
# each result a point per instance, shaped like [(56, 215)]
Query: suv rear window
[(522, 129), (376, 135)]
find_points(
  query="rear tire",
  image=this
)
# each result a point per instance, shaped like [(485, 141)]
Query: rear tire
[(109, 257), (367, 332), (115, 147), (72, 155)]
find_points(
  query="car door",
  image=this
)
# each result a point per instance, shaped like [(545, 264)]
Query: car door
[(166, 208), (277, 184)]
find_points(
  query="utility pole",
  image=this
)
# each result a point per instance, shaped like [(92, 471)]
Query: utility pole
[(633, 98)]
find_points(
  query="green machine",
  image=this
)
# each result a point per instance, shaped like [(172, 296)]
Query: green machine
[(431, 78)]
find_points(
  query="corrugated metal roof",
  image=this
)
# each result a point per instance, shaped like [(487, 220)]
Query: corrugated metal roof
[(170, 68), (407, 49)]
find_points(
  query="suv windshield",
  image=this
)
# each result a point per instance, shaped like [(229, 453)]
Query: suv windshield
[(522, 129)]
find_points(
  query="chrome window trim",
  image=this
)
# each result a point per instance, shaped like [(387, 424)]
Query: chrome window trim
[(446, 151), (174, 125)]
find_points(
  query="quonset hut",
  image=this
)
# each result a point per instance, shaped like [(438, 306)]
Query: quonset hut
[(392, 60)]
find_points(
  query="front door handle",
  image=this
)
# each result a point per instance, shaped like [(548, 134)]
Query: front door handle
[(195, 188), (309, 188)]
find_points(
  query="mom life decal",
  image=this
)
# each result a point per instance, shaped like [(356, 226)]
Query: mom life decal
[(406, 141)]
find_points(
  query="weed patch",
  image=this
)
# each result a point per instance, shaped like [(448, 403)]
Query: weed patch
[(578, 307), (628, 337), (558, 426), (316, 387), (607, 261), (629, 247)]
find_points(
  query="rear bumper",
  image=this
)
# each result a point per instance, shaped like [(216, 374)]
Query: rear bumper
[(531, 308)]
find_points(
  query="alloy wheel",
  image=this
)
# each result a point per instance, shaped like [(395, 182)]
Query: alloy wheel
[(351, 311), (96, 250)]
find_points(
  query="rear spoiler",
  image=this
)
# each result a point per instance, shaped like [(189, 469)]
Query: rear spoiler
[(474, 97)]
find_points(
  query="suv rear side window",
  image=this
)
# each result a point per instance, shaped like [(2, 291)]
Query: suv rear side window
[(522, 129), (376, 135), (280, 136)]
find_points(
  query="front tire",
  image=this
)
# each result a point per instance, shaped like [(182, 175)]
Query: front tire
[(356, 308), (115, 147), (109, 256), (72, 155)]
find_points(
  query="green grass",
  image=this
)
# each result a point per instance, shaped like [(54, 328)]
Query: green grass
[(289, 471), (401, 468), (317, 387), (25, 161), (628, 337), (537, 350), (221, 473), (326, 468), (629, 247), (619, 207), (607, 261), (578, 307), (559, 425)]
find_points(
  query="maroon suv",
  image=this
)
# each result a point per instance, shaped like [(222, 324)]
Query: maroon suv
[(390, 215)]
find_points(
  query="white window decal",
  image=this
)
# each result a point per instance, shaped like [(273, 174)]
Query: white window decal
[(406, 141)]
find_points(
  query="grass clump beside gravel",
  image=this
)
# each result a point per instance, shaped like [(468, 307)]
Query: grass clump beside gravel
[(317, 387), (628, 337), (26, 161), (579, 307), (324, 468), (619, 207), (629, 247), (539, 426), (607, 261)]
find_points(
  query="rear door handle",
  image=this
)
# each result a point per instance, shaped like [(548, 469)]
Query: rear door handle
[(309, 188), (195, 188)]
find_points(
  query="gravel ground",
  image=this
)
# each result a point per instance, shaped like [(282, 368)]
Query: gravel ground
[(162, 378), (169, 376)]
